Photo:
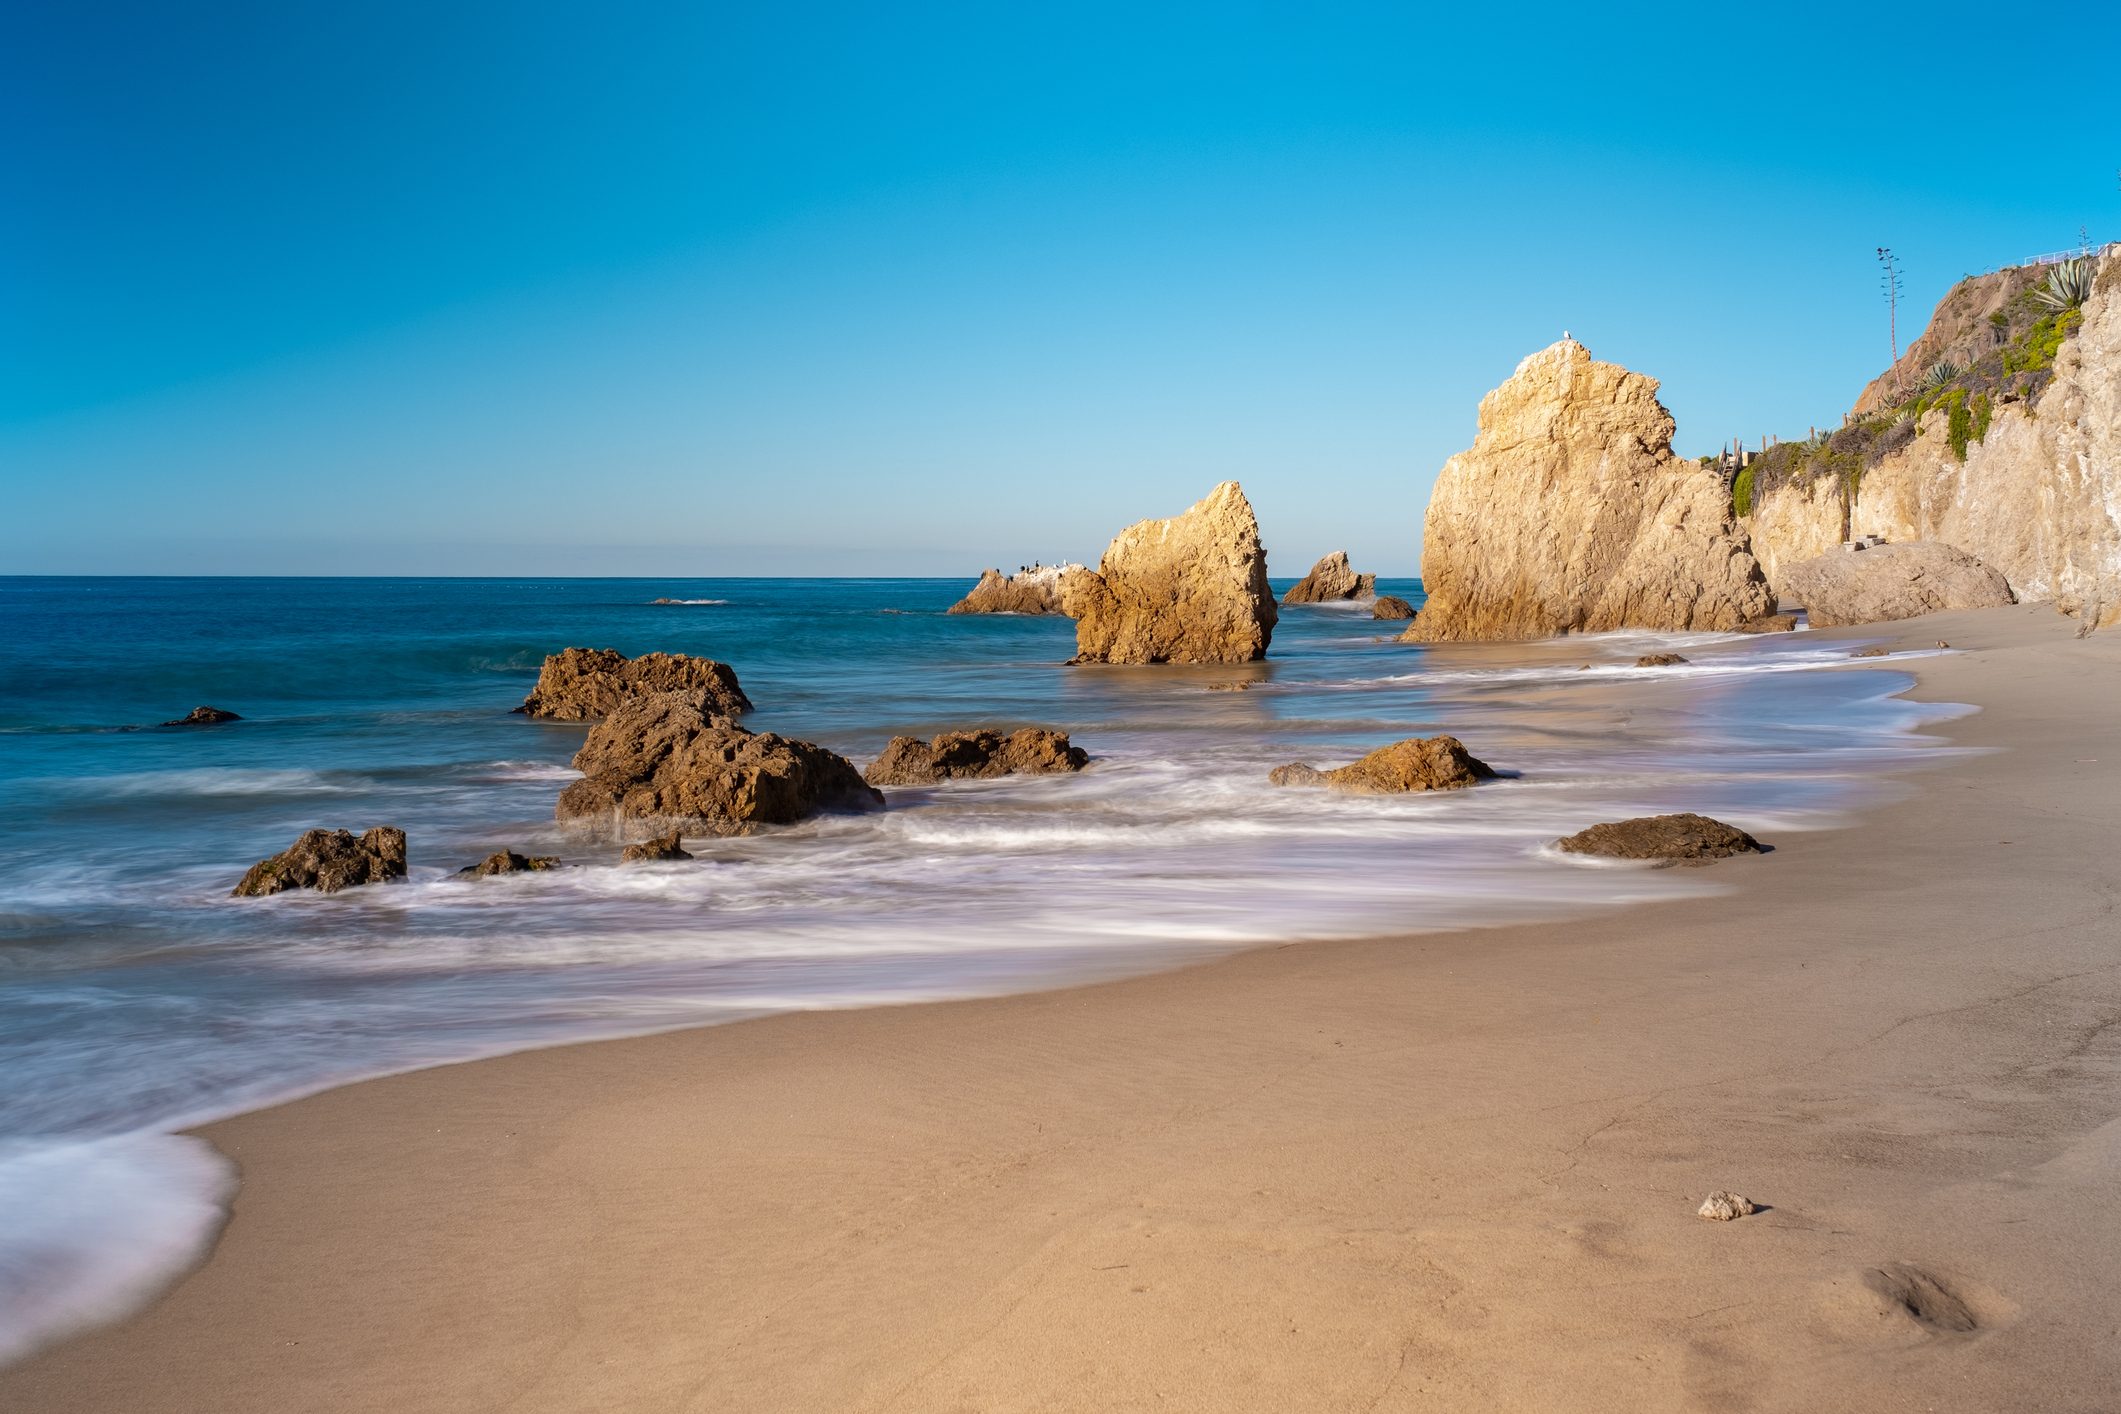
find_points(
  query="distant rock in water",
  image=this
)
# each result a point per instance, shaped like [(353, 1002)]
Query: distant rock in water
[(203, 717), (1416, 764), (1892, 582), (1674, 839), (1570, 514), (1391, 606), (327, 861), (974, 755), (507, 861), (583, 684), (1331, 579), (665, 849), (1033, 591), (1659, 660), (671, 757), (1191, 589)]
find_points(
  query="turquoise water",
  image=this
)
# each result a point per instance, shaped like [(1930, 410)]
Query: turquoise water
[(136, 997)]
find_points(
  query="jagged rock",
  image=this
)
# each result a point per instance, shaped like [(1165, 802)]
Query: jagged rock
[(1871, 653), (1773, 623), (1330, 579), (974, 755), (327, 861), (1671, 838), (1032, 591), (1418, 763), (664, 849), (1892, 582), (1191, 589), (1658, 660), (1570, 514), (203, 717), (1723, 1206), (583, 684), (507, 861), (1391, 606), (672, 756)]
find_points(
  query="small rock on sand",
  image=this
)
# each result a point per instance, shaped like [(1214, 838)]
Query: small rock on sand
[(1724, 1206), (1870, 653), (1658, 660), (1671, 839)]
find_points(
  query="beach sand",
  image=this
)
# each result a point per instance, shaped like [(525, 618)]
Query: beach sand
[(1443, 1172)]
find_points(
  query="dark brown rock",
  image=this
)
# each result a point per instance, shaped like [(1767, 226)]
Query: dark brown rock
[(583, 684), (662, 850), (1391, 606), (327, 861), (974, 755), (1772, 623), (203, 717), (1673, 839), (1416, 764), (1658, 660), (670, 756), (507, 861), (1871, 653)]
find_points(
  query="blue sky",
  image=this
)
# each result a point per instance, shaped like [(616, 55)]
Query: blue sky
[(689, 289)]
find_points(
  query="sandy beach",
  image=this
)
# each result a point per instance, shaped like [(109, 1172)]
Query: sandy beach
[(1442, 1172)]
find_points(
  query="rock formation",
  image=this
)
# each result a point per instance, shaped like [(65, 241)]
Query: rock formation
[(672, 757), (583, 684), (327, 861), (664, 849), (1659, 660), (1872, 652), (203, 717), (1418, 763), (1391, 606), (1672, 839), (1330, 579), (1570, 513), (507, 861), (1191, 589), (1891, 582), (974, 755), (1032, 591)]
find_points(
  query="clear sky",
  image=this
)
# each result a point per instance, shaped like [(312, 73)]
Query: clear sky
[(685, 288)]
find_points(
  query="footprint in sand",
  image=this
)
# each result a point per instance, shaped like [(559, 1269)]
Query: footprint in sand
[(1922, 1297)]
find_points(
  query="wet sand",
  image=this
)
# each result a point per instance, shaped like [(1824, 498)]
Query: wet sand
[(1450, 1171)]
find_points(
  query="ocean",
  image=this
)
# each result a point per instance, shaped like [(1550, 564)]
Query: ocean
[(137, 998)]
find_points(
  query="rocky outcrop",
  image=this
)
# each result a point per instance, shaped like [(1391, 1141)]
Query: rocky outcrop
[(1961, 329), (507, 861), (663, 849), (1331, 579), (583, 684), (1659, 660), (1891, 582), (1191, 589), (1391, 606), (974, 755), (673, 757), (328, 861), (1672, 839), (1570, 513), (1036, 590), (203, 717), (1416, 764), (1773, 623)]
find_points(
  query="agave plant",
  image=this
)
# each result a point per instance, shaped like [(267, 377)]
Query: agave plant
[(2068, 284), (1941, 373)]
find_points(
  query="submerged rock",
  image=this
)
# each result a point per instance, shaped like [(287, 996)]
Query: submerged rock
[(327, 861), (203, 717), (670, 756), (1332, 578), (1418, 763), (1890, 582), (1033, 591), (1191, 589), (583, 684), (1659, 660), (507, 861), (1871, 653), (1671, 838), (664, 849), (1391, 606), (974, 755), (1723, 1205)]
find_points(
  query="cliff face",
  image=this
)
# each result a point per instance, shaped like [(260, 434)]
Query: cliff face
[(1191, 589), (1570, 513), (1960, 331)]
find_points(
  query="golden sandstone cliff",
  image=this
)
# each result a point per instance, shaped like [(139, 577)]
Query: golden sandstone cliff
[(1570, 513), (1190, 589)]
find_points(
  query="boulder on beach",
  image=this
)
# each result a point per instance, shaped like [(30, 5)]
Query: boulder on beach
[(1671, 839), (1191, 589), (1659, 660), (672, 756), (583, 684), (328, 861), (203, 717), (1391, 606), (1416, 764), (1036, 590), (974, 755), (1571, 514), (1724, 1206), (1331, 579), (664, 849), (1897, 581), (1773, 623), (507, 861)]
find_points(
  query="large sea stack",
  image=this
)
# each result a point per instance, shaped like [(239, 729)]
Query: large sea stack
[(1570, 514), (1191, 589)]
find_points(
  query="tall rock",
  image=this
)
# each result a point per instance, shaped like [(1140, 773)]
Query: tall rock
[(1570, 513), (1332, 578), (1191, 589)]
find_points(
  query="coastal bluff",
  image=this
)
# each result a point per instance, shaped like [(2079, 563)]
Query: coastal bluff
[(1571, 514), (1190, 589)]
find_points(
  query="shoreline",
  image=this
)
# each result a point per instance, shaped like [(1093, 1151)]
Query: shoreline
[(843, 1209)]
